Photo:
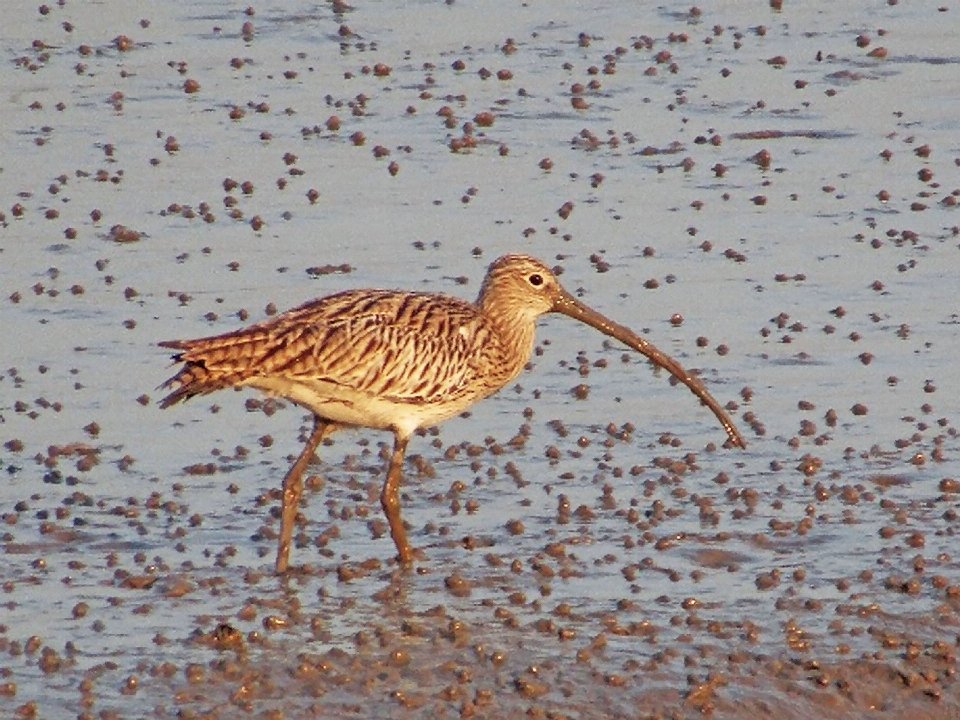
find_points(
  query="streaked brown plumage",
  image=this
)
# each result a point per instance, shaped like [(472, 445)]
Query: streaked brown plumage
[(395, 361)]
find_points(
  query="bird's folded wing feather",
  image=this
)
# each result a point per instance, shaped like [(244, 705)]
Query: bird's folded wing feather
[(405, 347)]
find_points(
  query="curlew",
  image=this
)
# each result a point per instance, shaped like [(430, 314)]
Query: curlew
[(397, 361)]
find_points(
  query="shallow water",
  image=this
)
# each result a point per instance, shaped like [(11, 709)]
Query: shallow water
[(814, 572)]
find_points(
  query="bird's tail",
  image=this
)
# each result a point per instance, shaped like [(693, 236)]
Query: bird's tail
[(209, 364)]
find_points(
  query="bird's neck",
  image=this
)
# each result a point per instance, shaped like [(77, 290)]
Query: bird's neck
[(513, 328)]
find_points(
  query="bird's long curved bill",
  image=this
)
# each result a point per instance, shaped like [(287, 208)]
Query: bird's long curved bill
[(568, 305)]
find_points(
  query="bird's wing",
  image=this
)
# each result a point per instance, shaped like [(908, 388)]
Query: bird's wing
[(399, 346)]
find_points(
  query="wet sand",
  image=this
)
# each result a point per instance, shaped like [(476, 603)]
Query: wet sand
[(768, 194)]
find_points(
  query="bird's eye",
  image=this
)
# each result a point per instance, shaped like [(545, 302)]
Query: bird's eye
[(536, 279)]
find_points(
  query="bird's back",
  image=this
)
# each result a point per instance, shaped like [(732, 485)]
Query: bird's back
[(398, 347)]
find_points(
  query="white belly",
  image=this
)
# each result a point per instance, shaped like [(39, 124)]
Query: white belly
[(349, 407)]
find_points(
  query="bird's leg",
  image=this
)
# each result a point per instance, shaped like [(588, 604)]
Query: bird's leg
[(390, 499), (293, 488)]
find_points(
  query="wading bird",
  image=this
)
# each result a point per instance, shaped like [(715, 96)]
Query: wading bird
[(397, 361)]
